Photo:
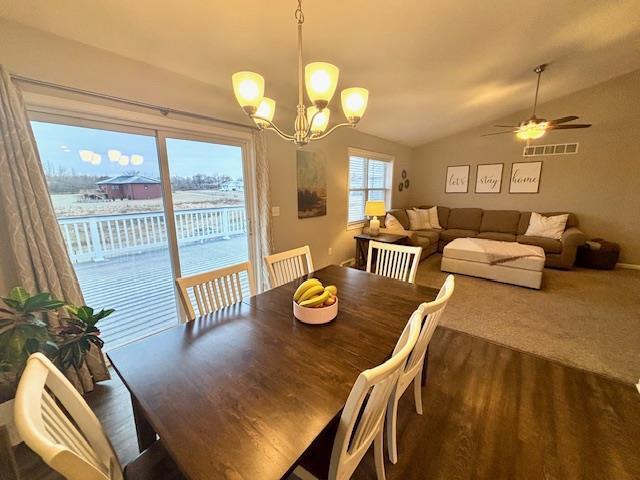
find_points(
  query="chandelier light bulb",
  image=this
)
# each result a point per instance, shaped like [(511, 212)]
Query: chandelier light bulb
[(266, 109), (531, 130), (114, 155), (86, 155), (321, 80), (137, 159), (124, 160), (354, 103), (321, 120), (248, 88)]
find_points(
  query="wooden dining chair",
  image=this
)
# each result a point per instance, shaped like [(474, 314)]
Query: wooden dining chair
[(412, 371), (394, 261), (58, 425), (362, 420), (284, 267), (211, 291)]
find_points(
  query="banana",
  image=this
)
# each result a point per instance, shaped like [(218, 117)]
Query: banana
[(332, 289), (310, 293), (304, 286), (315, 301)]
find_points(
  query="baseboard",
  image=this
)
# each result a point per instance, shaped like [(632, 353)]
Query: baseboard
[(348, 262), (628, 266)]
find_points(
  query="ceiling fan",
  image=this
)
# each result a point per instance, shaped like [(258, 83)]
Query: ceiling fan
[(535, 127)]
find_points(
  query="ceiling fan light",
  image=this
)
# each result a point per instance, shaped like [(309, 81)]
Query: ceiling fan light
[(137, 159), (321, 120), (248, 88), (266, 110), (96, 159), (114, 155), (532, 130), (86, 155), (321, 80), (123, 160), (354, 103)]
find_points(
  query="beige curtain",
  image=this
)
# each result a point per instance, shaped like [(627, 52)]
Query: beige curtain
[(263, 192), (40, 258)]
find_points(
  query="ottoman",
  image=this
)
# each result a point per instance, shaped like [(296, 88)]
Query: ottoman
[(506, 262)]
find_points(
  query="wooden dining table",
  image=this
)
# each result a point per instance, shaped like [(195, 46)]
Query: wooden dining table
[(242, 393)]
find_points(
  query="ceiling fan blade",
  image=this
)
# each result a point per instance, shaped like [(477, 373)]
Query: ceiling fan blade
[(563, 119), (498, 133), (567, 127)]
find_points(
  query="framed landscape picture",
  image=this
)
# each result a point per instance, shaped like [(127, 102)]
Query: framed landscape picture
[(457, 180), (312, 185), (525, 177), (489, 178)]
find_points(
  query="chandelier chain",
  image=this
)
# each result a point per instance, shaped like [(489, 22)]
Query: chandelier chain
[(299, 15)]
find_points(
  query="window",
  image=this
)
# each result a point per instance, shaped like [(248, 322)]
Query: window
[(369, 179)]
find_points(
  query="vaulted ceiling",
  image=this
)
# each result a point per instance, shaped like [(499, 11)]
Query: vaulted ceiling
[(433, 67)]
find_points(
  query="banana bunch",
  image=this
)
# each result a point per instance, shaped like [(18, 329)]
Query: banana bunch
[(312, 294)]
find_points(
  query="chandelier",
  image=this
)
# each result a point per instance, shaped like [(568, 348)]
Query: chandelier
[(320, 80)]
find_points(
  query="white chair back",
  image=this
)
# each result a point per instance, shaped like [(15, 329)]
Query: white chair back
[(285, 267), (362, 419), (394, 261), (412, 370), (56, 423), (211, 291)]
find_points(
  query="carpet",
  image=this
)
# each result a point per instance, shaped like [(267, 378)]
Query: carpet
[(588, 319)]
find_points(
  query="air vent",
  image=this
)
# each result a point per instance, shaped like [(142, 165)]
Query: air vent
[(558, 149)]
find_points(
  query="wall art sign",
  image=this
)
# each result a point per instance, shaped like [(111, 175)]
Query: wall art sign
[(457, 180), (525, 177), (312, 185), (489, 178)]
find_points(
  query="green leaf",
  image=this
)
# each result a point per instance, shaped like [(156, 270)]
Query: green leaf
[(15, 304), (19, 294), (42, 302)]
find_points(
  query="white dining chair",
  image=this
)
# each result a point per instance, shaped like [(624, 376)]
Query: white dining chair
[(394, 261), (284, 267), (211, 291), (412, 371), (362, 420), (58, 425)]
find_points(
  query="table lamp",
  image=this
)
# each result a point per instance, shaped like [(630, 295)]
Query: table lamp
[(374, 209)]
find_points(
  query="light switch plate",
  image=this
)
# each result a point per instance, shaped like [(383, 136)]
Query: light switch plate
[(275, 211)]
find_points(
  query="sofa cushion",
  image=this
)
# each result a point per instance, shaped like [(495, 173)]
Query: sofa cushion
[(504, 221), (465, 219), (525, 217), (443, 214), (548, 244), (432, 235), (500, 236), (450, 234), (401, 216)]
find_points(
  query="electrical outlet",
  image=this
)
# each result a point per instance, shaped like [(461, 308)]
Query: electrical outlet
[(330, 251)]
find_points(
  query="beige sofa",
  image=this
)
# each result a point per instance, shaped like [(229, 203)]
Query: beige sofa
[(503, 225)]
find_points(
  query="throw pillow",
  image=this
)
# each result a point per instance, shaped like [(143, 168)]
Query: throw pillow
[(548, 227), (433, 218), (392, 223), (418, 219)]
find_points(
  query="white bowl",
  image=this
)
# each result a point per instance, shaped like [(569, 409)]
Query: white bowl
[(315, 316)]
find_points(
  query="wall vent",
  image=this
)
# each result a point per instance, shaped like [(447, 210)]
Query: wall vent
[(558, 149)]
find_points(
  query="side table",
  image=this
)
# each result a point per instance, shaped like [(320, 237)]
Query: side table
[(362, 245)]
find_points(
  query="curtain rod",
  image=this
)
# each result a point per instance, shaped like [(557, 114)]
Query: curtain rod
[(163, 110)]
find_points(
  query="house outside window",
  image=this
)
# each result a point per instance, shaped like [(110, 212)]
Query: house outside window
[(370, 178)]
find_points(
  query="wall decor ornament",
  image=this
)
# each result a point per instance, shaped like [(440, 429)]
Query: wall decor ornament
[(404, 174), (457, 180), (400, 186), (489, 178), (312, 185), (406, 183), (525, 177)]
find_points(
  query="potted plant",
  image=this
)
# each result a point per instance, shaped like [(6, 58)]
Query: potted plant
[(25, 328)]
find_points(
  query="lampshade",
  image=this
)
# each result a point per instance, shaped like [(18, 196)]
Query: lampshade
[(124, 160), (137, 159), (114, 155), (86, 155), (248, 88), (266, 109), (531, 130), (354, 103), (321, 80), (374, 208), (321, 120), (96, 159)]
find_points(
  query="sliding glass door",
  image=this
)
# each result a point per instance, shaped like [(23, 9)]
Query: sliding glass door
[(114, 188)]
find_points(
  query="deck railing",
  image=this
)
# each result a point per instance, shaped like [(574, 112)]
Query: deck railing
[(98, 237)]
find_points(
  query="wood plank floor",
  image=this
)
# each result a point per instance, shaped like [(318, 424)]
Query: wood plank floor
[(490, 412)]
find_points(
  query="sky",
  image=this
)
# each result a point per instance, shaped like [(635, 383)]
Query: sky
[(59, 147)]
